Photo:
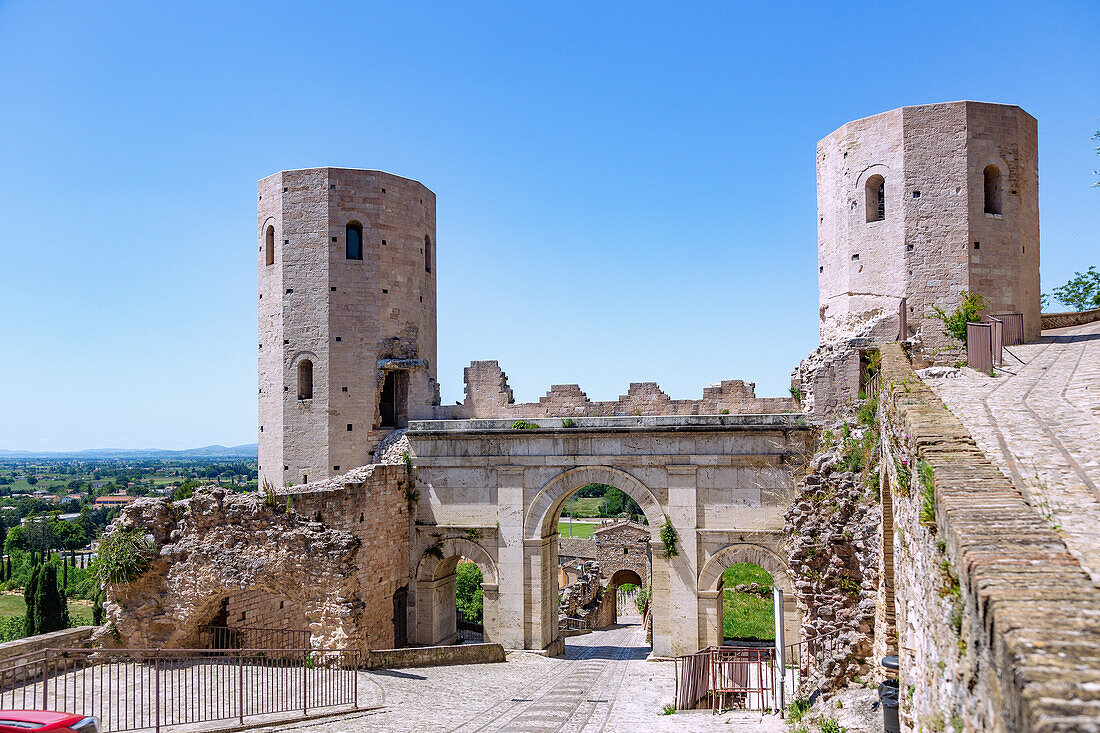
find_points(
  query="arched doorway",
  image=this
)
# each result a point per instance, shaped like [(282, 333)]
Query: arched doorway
[(436, 588), (635, 601), (541, 538), (712, 581)]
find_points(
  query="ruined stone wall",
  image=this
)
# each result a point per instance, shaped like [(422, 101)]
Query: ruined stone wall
[(995, 619), (370, 504), (259, 609), (834, 553), (489, 396), (352, 318)]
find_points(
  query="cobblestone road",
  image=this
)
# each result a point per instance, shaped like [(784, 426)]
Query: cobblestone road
[(602, 684), (1040, 423)]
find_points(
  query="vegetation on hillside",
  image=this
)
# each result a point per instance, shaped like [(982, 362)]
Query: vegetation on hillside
[(747, 616)]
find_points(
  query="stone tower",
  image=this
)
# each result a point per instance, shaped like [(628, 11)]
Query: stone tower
[(923, 203), (347, 324)]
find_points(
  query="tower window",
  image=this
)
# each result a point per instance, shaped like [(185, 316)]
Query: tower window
[(427, 253), (876, 198), (353, 238), (992, 175), (392, 403), (305, 380), (269, 246)]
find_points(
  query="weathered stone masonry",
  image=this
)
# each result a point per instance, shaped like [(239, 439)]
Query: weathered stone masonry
[(1015, 645)]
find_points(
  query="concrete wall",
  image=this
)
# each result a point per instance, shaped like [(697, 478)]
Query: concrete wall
[(351, 318), (996, 621)]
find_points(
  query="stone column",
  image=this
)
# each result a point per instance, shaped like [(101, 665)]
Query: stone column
[(710, 618), (659, 601), (683, 569), (542, 598), (511, 616), (490, 616)]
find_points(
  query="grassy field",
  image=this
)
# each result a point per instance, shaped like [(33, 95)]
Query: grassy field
[(583, 506), (580, 529), (746, 615), (12, 604)]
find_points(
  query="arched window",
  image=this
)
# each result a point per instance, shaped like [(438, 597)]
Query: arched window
[(427, 253), (353, 238), (305, 380), (992, 189), (876, 198), (269, 245)]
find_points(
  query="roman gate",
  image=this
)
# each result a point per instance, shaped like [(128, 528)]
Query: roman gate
[(491, 491)]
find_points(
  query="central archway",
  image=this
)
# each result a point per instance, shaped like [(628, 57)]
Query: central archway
[(540, 531)]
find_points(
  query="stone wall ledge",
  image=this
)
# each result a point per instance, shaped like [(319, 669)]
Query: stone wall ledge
[(1039, 611), (433, 656), (1072, 318), (603, 424)]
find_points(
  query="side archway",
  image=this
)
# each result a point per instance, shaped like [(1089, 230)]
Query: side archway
[(542, 517), (711, 591), (436, 612)]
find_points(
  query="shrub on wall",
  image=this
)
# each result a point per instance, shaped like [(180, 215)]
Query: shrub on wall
[(969, 311), (124, 554), (669, 537)]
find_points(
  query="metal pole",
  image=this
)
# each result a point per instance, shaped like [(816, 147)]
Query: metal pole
[(240, 687), (305, 699), (45, 677), (156, 681), (355, 682)]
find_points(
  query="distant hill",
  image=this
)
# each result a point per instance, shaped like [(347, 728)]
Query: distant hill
[(249, 450)]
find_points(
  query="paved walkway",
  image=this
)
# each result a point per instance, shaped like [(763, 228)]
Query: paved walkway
[(602, 684), (1039, 421)]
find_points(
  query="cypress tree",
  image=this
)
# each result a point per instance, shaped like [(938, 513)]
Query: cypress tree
[(97, 607), (50, 611), (29, 595), (64, 577), (9, 568)]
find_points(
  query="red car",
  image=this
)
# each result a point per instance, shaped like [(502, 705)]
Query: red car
[(18, 721)]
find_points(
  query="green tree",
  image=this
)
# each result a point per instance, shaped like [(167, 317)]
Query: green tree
[(30, 595), (1082, 292), (51, 613), (468, 594), (616, 502)]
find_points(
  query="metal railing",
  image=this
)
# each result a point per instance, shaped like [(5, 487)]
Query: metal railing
[(473, 631), (808, 654), (136, 689), (728, 677), (570, 623), (984, 344), (252, 637)]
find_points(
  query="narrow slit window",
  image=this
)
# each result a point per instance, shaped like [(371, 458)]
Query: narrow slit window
[(427, 253), (353, 240), (876, 198), (269, 246), (305, 380), (992, 175)]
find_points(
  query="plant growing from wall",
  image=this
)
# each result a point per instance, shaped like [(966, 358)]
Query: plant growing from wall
[(568, 422), (524, 425), (969, 311), (928, 493), (123, 555), (436, 548), (473, 534), (669, 537)]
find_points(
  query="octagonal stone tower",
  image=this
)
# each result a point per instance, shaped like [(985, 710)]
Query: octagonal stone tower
[(347, 317), (923, 203)]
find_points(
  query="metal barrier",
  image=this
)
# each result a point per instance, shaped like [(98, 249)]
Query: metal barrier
[(741, 678), (807, 655), (135, 689), (569, 623), (469, 630), (984, 345), (1013, 324), (252, 637)]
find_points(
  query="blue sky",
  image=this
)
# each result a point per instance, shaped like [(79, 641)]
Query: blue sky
[(625, 190)]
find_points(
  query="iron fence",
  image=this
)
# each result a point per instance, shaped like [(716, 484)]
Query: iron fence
[(728, 677), (808, 654), (138, 689), (984, 344), (252, 637), (472, 631)]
